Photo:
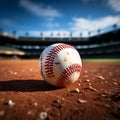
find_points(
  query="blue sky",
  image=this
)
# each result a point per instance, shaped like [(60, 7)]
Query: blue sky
[(58, 16)]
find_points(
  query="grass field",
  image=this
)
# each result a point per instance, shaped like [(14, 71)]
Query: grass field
[(102, 60), (83, 59)]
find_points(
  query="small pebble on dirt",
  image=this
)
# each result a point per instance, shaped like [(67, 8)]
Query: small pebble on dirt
[(2, 112), (35, 104), (82, 101), (91, 88), (43, 115), (15, 73), (76, 90), (11, 103), (79, 84), (87, 80), (101, 77)]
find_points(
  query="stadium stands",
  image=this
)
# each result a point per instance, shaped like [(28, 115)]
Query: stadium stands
[(105, 45)]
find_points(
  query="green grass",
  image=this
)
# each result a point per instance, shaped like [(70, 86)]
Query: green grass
[(102, 60), (4, 48)]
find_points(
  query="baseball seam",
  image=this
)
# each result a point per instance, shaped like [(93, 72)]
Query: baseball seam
[(66, 73), (51, 57)]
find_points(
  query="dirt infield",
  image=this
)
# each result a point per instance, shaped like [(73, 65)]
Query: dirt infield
[(24, 95)]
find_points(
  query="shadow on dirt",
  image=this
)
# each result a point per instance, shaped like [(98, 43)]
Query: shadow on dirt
[(26, 86)]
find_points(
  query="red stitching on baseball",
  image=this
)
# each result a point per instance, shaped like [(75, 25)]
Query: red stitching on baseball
[(51, 57), (66, 73)]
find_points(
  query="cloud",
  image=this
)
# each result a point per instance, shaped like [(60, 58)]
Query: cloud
[(114, 4), (80, 25), (52, 25), (85, 25), (39, 9)]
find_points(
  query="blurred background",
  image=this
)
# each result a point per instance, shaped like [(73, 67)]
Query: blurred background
[(29, 26)]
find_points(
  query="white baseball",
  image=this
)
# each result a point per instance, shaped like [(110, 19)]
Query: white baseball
[(60, 64)]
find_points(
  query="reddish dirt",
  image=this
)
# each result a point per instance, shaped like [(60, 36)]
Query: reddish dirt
[(24, 95)]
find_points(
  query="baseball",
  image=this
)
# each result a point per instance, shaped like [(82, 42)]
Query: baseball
[(60, 64)]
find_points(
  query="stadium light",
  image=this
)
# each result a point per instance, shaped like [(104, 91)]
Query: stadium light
[(41, 35), (14, 33), (81, 35), (51, 35), (99, 31), (27, 33), (89, 33), (115, 26), (58, 34), (70, 36)]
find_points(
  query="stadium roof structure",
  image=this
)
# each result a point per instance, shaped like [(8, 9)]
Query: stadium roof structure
[(106, 37)]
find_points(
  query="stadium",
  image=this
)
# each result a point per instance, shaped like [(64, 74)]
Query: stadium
[(105, 45)]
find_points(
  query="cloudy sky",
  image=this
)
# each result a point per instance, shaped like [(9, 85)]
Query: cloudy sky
[(58, 16)]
